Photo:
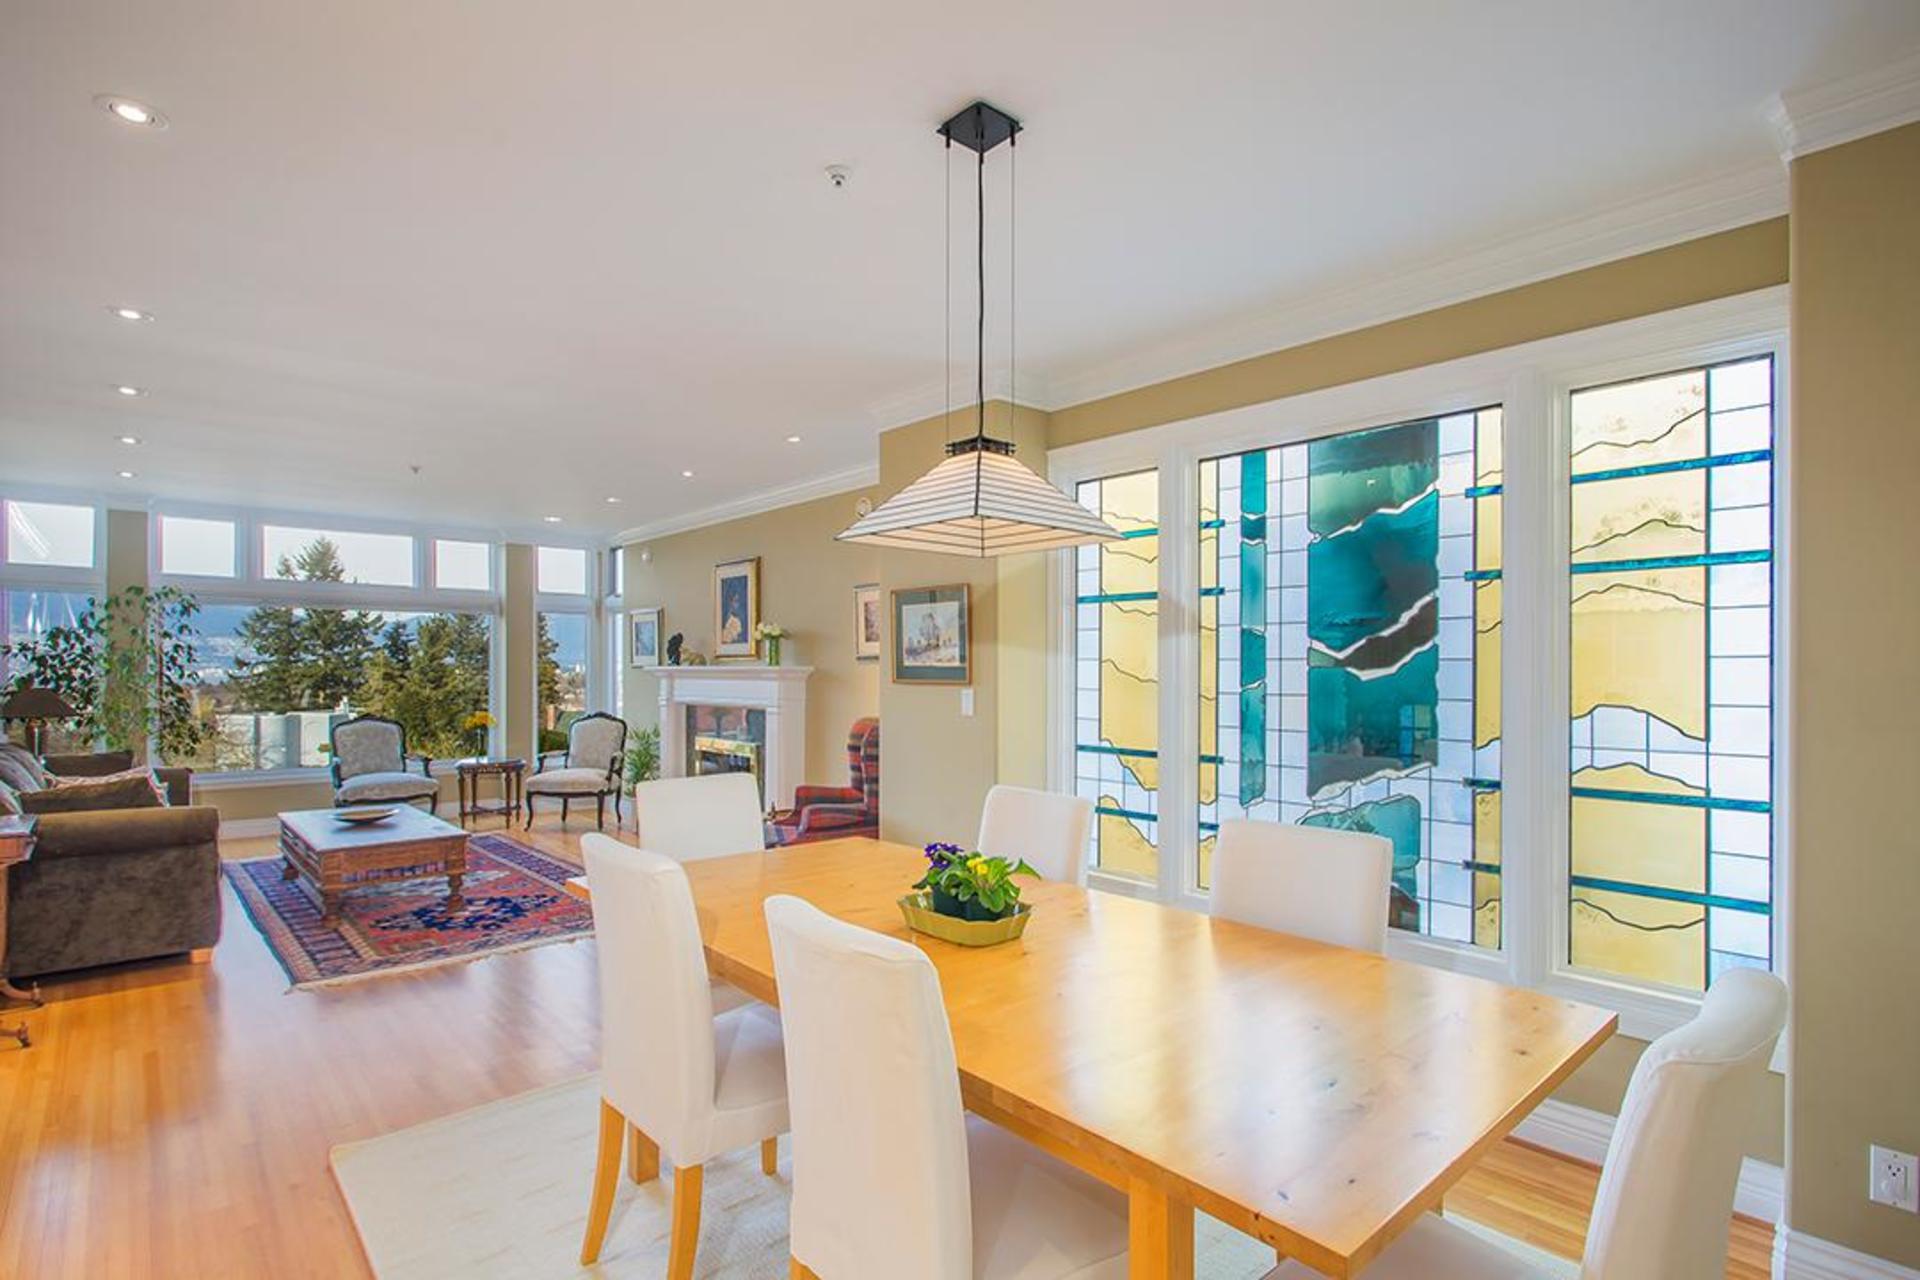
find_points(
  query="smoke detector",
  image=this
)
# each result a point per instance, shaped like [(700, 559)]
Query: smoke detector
[(839, 175)]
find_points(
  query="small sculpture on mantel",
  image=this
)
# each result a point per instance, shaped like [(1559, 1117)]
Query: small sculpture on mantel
[(674, 642)]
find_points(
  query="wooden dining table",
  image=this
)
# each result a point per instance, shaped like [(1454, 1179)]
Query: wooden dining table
[(1317, 1098)]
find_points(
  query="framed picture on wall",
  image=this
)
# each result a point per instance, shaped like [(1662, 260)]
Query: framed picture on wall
[(867, 625), (932, 640), (643, 637), (736, 607)]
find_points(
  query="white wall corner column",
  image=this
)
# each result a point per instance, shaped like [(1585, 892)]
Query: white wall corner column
[(781, 692)]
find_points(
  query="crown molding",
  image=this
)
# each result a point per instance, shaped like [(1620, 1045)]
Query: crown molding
[(930, 401), (1685, 212), (1808, 120), (860, 477)]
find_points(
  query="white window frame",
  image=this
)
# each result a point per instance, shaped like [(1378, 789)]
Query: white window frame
[(1532, 383), (587, 604), (251, 585)]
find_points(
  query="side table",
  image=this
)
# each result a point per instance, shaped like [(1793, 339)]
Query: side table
[(16, 845), (512, 775)]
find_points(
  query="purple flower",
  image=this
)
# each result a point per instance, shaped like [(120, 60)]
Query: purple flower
[(940, 852)]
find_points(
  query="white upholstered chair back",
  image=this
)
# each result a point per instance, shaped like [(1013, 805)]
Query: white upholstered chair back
[(656, 1014), (1311, 881), (596, 742), (704, 817), (1666, 1192), (1046, 828), (368, 744), (879, 1138)]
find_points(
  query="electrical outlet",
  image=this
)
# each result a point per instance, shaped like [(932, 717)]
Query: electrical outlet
[(1893, 1179)]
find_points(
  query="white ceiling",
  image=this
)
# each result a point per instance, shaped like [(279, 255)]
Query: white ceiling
[(555, 252)]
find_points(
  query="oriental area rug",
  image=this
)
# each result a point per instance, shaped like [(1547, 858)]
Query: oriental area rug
[(515, 898)]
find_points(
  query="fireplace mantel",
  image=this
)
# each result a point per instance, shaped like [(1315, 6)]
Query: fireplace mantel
[(779, 691)]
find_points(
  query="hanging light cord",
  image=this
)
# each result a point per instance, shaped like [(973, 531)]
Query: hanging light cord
[(980, 261)]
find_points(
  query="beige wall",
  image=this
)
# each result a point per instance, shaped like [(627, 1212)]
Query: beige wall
[(519, 660), (1716, 266), (806, 585), (1854, 453)]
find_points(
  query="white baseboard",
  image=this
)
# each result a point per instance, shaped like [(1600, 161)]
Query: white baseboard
[(1799, 1256), (248, 828), (1584, 1134)]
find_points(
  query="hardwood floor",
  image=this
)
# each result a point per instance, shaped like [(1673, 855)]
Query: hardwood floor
[(173, 1119)]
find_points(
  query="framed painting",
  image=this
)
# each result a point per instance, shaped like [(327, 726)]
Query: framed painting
[(867, 626), (643, 637), (932, 639), (736, 607)]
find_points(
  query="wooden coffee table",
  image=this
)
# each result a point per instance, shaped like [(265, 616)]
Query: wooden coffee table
[(335, 856)]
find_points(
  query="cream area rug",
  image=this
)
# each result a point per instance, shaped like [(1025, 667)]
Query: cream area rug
[(500, 1193)]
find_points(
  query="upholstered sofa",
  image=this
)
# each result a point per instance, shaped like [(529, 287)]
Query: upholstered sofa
[(107, 885), (828, 813)]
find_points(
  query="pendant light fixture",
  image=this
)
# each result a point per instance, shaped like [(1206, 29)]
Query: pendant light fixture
[(979, 501)]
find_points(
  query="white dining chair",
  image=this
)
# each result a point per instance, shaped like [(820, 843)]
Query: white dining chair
[(890, 1176), (1046, 828), (704, 817), (1313, 882), (1666, 1190), (674, 1076)]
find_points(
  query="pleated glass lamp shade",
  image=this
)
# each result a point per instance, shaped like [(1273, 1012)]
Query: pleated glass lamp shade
[(979, 502)]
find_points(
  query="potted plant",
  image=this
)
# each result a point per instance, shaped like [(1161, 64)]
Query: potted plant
[(126, 664), (643, 757), (770, 634), (476, 726), (968, 897)]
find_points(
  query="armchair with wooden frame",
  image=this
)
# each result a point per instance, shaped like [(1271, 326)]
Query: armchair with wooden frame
[(589, 767)]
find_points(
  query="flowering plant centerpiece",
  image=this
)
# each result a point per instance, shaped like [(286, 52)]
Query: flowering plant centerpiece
[(770, 634), (477, 724), (972, 886)]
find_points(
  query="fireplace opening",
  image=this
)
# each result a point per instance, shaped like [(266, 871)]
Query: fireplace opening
[(728, 740)]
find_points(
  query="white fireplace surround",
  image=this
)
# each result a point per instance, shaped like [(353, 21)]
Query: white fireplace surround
[(781, 692)]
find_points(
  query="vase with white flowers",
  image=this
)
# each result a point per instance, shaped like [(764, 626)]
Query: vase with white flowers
[(769, 635)]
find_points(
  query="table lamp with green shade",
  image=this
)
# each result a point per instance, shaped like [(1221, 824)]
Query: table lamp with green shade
[(36, 706)]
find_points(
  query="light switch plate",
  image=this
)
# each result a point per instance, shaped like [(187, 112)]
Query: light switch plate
[(966, 701), (1893, 1179)]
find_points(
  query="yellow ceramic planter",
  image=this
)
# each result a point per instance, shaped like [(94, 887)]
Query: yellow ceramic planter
[(920, 916)]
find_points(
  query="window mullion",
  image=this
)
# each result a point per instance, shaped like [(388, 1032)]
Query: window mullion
[(1179, 676), (1533, 681)]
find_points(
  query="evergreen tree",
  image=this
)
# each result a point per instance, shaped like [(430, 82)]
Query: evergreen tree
[(430, 675), (305, 659)]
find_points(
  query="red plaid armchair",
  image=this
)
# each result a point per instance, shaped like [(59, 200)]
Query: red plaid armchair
[(827, 813)]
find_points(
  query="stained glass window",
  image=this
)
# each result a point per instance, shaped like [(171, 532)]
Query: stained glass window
[(1671, 772), (1117, 675), (1350, 653)]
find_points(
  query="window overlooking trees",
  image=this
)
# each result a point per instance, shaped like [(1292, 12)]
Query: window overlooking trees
[(562, 675), (369, 559), (273, 678)]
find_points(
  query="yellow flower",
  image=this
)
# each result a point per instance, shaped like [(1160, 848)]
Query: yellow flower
[(479, 720), (976, 864)]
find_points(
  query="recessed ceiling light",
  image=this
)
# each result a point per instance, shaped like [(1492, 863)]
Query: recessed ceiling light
[(129, 439), (125, 390), (133, 314), (793, 439), (126, 475), (686, 475), (551, 519), (127, 111), (613, 502)]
